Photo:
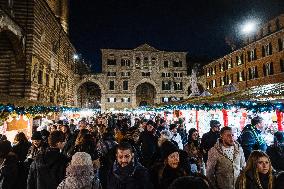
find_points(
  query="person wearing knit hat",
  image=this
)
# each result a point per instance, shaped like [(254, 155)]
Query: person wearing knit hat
[(80, 173), (168, 148), (164, 173), (209, 139), (276, 151), (176, 136), (38, 146)]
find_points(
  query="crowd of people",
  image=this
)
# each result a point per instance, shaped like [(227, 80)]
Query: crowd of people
[(111, 151)]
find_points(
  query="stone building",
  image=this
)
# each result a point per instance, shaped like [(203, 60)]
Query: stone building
[(131, 78), (259, 62), (36, 55)]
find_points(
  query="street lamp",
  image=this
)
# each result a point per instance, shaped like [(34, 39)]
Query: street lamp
[(249, 27), (75, 56)]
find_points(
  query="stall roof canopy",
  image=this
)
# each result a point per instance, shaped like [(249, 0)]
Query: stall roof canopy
[(268, 92)]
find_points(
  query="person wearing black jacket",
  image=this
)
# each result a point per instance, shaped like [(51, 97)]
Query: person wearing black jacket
[(276, 151), (149, 144), (8, 167), (209, 139), (48, 169), (173, 166), (251, 138), (21, 148), (126, 173)]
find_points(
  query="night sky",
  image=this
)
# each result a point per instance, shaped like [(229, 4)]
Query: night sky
[(196, 26)]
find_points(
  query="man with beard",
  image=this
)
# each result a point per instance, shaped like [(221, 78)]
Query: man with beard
[(225, 161), (149, 144), (126, 173)]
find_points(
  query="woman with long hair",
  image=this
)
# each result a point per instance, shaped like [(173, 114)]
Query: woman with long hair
[(21, 146), (258, 173), (192, 147)]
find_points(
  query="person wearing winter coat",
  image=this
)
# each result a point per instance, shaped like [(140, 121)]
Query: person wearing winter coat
[(38, 147), (148, 142), (9, 172), (209, 139), (48, 169), (276, 151), (80, 173), (85, 143), (162, 174), (176, 136), (251, 138), (193, 150), (258, 173), (126, 173), (21, 148), (279, 183), (225, 161)]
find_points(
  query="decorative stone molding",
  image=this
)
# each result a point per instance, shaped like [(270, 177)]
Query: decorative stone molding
[(6, 23)]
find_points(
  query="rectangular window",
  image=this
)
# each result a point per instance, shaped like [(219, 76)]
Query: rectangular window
[(166, 74), (47, 80), (267, 50), (239, 59), (178, 75), (252, 55), (221, 67), (111, 62), (280, 44), (39, 77), (282, 65), (166, 64), (214, 83), (125, 74), (177, 63), (125, 99), (253, 72), (111, 85), (228, 64), (165, 99), (268, 69), (166, 85), (125, 85), (145, 74), (177, 85), (240, 76), (125, 62), (111, 74), (230, 78), (111, 100)]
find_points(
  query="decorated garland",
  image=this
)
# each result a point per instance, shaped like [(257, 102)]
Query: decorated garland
[(248, 105), (31, 111)]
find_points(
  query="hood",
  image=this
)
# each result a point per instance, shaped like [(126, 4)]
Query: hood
[(78, 176), (79, 171)]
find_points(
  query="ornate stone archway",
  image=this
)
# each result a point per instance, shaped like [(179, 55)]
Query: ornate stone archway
[(136, 101), (96, 83)]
